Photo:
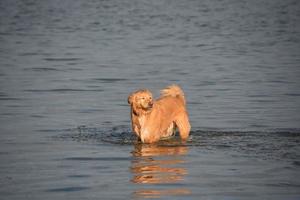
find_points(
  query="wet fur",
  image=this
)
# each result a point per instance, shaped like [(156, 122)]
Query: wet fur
[(153, 120)]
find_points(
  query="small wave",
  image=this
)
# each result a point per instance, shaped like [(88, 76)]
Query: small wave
[(63, 90), (97, 158), (108, 80), (9, 99), (293, 94), (29, 54), (297, 163), (67, 189), (43, 69), (62, 59)]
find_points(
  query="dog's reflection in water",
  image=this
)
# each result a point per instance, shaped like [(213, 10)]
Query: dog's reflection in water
[(161, 166)]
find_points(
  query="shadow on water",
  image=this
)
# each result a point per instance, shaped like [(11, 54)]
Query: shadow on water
[(159, 165)]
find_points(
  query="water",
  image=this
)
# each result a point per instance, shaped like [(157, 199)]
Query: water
[(66, 69)]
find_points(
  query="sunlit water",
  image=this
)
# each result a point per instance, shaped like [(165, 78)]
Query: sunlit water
[(67, 67)]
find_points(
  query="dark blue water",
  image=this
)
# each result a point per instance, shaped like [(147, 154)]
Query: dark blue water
[(67, 67)]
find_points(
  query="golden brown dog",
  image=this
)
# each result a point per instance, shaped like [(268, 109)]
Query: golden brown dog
[(153, 120)]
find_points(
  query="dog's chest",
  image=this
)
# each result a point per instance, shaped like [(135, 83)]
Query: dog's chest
[(142, 120)]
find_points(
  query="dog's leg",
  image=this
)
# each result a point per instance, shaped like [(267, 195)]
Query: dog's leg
[(136, 130), (135, 125), (183, 124), (171, 130)]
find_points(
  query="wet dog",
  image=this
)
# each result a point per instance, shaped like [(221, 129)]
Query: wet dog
[(153, 120)]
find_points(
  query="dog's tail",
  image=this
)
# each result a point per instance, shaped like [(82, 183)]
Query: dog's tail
[(173, 91)]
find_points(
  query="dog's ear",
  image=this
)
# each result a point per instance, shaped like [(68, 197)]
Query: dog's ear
[(130, 99)]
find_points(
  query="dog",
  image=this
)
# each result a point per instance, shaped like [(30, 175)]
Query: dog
[(153, 120)]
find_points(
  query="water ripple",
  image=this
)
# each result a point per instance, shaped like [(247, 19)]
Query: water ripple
[(276, 144), (97, 158), (62, 59), (63, 90), (67, 189), (42, 69)]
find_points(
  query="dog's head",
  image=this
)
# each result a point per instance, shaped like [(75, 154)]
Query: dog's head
[(140, 101)]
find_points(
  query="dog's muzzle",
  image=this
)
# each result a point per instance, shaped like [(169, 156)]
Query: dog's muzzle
[(150, 105)]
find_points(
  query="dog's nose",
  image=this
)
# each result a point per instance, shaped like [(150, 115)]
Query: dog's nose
[(150, 104)]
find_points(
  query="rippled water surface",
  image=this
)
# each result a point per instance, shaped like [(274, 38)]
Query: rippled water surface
[(67, 67)]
